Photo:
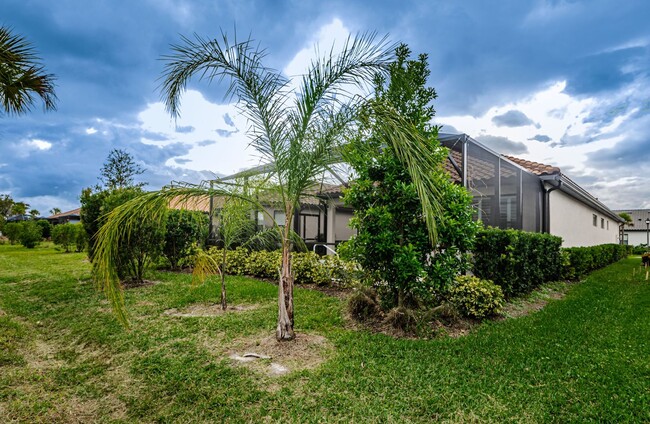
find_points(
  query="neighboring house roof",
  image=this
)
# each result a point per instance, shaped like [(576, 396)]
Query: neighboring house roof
[(16, 218), (71, 214), (638, 218)]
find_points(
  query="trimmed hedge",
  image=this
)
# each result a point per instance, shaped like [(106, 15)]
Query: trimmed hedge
[(517, 261), (307, 267), (578, 261)]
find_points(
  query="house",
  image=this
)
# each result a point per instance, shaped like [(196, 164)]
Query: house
[(514, 193), (638, 231), (508, 192), (71, 217)]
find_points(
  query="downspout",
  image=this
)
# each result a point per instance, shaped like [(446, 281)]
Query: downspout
[(546, 218)]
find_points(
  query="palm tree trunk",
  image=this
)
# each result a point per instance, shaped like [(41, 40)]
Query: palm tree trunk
[(224, 304), (284, 330)]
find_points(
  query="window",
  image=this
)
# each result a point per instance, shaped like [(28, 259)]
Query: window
[(595, 219), (608, 224), (279, 217), (602, 222)]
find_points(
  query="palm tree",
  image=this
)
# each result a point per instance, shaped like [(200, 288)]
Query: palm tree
[(22, 76), (298, 131)]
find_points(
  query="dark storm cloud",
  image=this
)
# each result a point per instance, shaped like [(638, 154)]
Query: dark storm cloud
[(106, 54), (512, 118), (631, 155), (541, 138), (502, 145), (605, 71)]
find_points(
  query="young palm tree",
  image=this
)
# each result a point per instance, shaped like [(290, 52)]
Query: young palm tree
[(299, 131), (22, 76)]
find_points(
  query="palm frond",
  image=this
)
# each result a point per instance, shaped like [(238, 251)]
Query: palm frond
[(204, 266), (119, 225), (22, 77), (259, 90)]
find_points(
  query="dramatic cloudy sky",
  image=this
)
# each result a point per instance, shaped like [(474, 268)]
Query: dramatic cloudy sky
[(560, 82)]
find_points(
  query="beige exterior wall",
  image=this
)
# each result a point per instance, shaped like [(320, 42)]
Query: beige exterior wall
[(574, 222)]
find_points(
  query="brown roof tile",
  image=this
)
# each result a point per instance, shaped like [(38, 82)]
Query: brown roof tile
[(534, 167)]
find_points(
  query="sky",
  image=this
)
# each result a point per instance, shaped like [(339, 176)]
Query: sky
[(565, 83)]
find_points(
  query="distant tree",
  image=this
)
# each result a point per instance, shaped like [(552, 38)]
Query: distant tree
[(55, 211), (22, 76), (19, 208), (6, 202), (46, 227), (31, 234), (628, 219), (119, 170), (34, 213), (12, 231), (64, 235)]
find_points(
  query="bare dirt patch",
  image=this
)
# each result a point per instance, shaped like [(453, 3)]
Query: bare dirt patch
[(329, 290), (264, 354), (536, 302), (208, 310), (132, 284), (2, 313)]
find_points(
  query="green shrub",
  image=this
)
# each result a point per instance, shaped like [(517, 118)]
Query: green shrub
[(307, 267), (476, 298), (46, 228), (184, 229), (517, 261), (582, 260), (264, 263), (81, 239), (65, 235), (12, 231), (31, 234)]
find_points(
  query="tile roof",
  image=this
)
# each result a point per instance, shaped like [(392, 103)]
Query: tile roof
[(534, 167), (74, 212)]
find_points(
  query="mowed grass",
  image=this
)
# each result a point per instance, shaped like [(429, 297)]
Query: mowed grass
[(64, 357)]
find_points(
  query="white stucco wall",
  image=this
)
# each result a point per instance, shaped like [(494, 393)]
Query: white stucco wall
[(635, 238), (573, 221)]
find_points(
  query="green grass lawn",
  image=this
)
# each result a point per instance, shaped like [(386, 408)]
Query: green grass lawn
[(63, 356)]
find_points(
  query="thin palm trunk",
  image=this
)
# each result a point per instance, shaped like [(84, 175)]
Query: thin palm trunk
[(285, 286), (224, 303)]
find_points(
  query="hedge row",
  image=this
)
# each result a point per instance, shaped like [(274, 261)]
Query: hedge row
[(578, 261), (518, 261), (308, 267)]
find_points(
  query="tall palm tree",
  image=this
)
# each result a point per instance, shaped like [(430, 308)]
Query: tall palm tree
[(298, 129), (22, 77)]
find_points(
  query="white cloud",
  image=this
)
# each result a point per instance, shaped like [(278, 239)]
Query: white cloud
[(91, 130), (37, 144), (559, 116), (230, 152), (219, 141), (333, 34)]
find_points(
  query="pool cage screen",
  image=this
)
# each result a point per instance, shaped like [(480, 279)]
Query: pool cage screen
[(505, 195)]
